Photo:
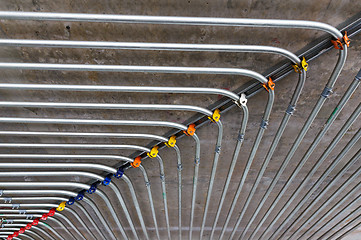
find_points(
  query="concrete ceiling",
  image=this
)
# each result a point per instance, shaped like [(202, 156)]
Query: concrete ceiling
[(330, 12)]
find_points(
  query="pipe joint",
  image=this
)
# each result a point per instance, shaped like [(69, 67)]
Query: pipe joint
[(242, 101), (358, 76), (196, 161), (326, 92), (162, 178), (240, 137), (147, 184), (1, 192), (180, 167), (218, 149), (15, 206), (290, 109), (264, 124)]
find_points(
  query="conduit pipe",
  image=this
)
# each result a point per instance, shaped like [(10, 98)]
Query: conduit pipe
[(355, 220), (69, 173), (41, 223), (33, 227), (58, 199), (279, 133), (42, 211), (62, 193), (341, 212), (325, 93), (115, 122), (73, 185), (47, 205), (328, 171), (23, 234), (17, 226), (240, 22), (325, 154), (80, 173)]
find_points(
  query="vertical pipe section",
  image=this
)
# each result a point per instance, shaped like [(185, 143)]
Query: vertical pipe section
[(327, 90), (236, 152)]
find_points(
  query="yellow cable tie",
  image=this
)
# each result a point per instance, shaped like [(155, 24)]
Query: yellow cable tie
[(171, 142), (61, 206), (216, 116), (304, 64), (153, 152)]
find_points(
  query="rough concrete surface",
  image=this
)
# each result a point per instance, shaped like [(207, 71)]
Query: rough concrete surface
[(333, 12)]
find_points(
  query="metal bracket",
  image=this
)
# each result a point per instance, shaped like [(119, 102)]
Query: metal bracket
[(162, 178), (29, 216), (218, 149), (242, 101), (9, 221), (264, 124), (290, 109), (196, 161), (22, 211), (1, 192), (358, 76), (180, 167), (16, 206), (147, 184), (326, 92), (7, 199), (240, 137)]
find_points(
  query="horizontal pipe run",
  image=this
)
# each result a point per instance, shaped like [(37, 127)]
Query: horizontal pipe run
[(103, 88), (62, 156), (240, 22), (157, 107), (149, 46), (144, 69), (93, 122)]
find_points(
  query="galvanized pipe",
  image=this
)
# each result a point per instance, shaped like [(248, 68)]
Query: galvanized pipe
[(336, 207), (45, 205), (326, 153), (37, 228), (328, 171), (17, 227), (241, 22), (236, 152), (7, 211), (58, 199), (68, 184), (66, 193), (149, 46), (62, 156), (357, 225), (352, 88), (22, 234), (297, 142), (41, 223), (125, 68)]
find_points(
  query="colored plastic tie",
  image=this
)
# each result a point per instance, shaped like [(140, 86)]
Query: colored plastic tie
[(270, 85), (92, 188), (191, 130), (304, 65), (153, 152), (51, 212), (71, 201), (216, 116), (119, 173), (338, 44), (28, 226), (10, 237), (136, 163), (171, 142), (44, 216), (107, 180), (80, 195), (35, 221), (61, 206), (15, 234)]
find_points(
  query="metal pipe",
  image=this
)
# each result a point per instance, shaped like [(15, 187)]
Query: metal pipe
[(325, 154), (342, 236), (179, 169), (6, 211), (42, 205), (41, 223), (236, 152), (37, 228), (22, 234), (242, 22), (125, 68), (149, 46), (68, 184), (62, 156), (337, 207), (328, 171), (251, 157), (58, 199), (164, 107), (66, 193), (327, 90), (4, 227)]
